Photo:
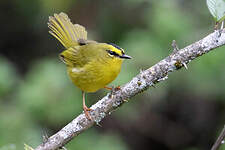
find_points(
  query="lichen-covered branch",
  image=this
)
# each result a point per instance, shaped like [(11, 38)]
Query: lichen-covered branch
[(138, 84)]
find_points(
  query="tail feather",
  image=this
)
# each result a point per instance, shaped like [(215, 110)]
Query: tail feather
[(65, 31)]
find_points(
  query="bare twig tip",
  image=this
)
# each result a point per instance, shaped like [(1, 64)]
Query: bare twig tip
[(185, 65), (125, 100), (45, 138), (63, 148), (141, 70), (222, 25), (175, 47), (98, 124)]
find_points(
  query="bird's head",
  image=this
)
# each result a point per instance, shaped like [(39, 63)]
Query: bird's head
[(115, 51)]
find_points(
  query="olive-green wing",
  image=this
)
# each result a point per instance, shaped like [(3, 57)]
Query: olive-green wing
[(79, 56), (65, 31)]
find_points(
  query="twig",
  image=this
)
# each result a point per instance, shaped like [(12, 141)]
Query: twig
[(145, 79), (220, 140), (222, 25), (175, 47)]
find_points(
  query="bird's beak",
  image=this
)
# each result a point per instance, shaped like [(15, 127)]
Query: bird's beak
[(125, 56)]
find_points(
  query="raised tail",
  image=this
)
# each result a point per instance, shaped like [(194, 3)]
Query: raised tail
[(65, 31)]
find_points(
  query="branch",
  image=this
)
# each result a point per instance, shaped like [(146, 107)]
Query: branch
[(138, 84), (220, 140)]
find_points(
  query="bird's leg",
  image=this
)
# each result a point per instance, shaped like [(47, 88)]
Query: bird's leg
[(85, 108)]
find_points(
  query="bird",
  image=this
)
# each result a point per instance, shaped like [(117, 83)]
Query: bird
[(90, 65)]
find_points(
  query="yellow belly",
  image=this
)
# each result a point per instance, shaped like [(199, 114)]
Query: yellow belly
[(91, 79)]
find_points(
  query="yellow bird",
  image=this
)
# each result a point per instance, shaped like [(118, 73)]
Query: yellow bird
[(90, 65)]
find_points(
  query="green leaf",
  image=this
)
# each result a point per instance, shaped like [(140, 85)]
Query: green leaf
[(221, 19), (27, 147), (217, 9)]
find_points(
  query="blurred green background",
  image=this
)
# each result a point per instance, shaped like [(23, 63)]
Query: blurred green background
[(186, 112)]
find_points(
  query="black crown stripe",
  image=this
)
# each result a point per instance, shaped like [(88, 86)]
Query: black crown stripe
[(114, 45)]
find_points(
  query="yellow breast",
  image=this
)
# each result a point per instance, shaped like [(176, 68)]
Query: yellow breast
[(95, 75)]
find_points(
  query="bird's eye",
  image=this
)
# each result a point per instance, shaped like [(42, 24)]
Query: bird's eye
[(112, 53)]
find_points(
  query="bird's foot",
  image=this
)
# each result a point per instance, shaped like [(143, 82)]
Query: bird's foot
[(86, 112), (112, 88), (117, 88)]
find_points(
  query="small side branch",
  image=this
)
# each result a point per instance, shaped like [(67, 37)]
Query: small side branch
[(175, 50), (145, 79), (175, 47), (220, 140)]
